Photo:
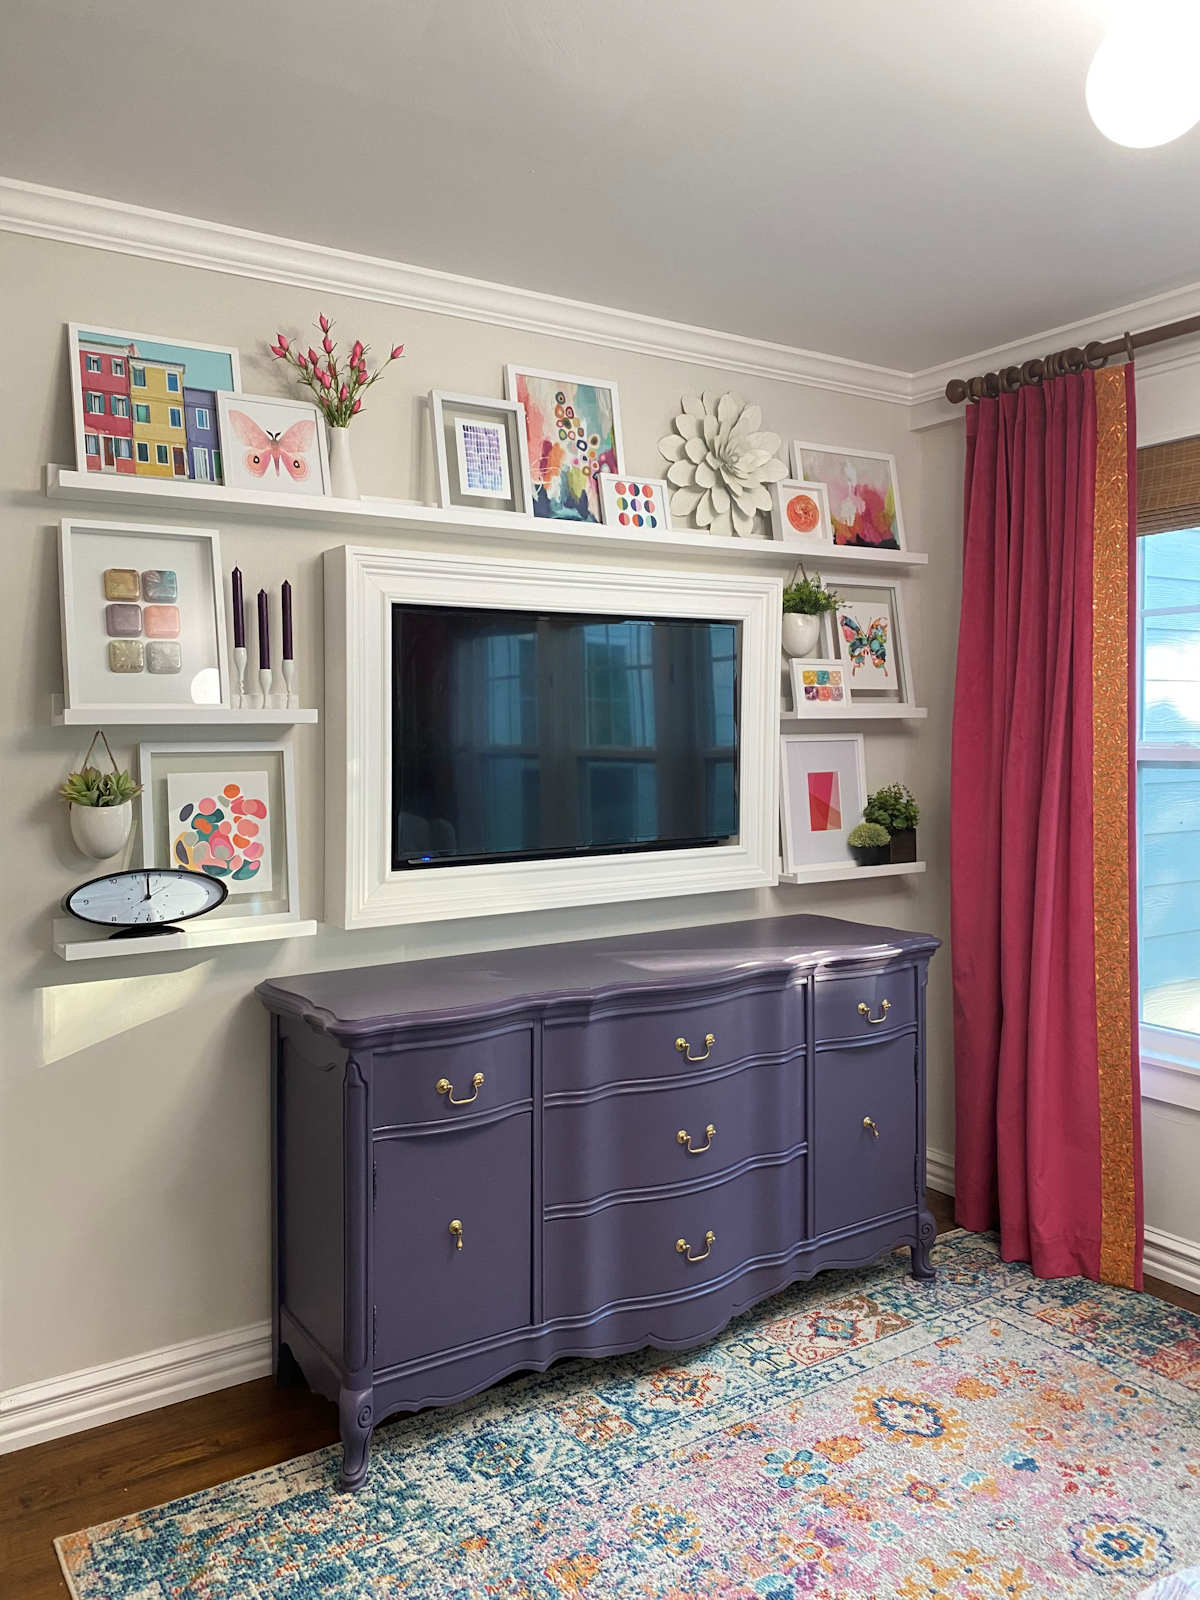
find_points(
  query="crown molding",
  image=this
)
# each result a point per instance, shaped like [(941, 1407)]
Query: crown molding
[(100, 224)]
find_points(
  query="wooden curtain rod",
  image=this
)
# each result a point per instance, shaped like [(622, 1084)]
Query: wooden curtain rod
[(1009, 379)]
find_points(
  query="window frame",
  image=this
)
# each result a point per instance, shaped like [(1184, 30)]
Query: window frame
[(175, 417)]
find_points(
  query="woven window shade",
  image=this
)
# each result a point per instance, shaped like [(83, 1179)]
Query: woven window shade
[(1168, 486)]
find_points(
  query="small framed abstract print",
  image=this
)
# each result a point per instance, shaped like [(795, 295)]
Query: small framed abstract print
[(143, 623), (800, 514), (273, 444), (823, 788), (479, 452), (819, 688), (639, 504), (572, 434), (227, 811), (864, 497), (871, 642)]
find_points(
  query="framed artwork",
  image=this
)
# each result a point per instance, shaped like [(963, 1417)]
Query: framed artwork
[(638, 503), (572, 434), (228, 811), (479, 452), (800, 514), (819, 688), (823, 788), (147, 405), (864, 498), (143, 622), (273, 444), (871, 641)]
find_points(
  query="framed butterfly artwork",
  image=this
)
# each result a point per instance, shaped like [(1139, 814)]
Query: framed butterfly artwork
[(273, 445), (872, 644)]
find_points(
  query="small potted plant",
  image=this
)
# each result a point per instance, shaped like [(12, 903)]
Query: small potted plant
[(895, 809), (868, 843), (804, 604), (100, 805)]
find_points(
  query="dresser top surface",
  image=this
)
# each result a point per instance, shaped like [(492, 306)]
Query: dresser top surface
[(354, 1001)]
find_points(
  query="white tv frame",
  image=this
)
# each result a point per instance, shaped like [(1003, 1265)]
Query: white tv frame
[(361, 584)]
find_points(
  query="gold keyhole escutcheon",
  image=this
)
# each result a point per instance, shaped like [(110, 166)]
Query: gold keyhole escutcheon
[(444, 1086), (869, 1125), (685, 1049), (684, 1138), (456, 1230)]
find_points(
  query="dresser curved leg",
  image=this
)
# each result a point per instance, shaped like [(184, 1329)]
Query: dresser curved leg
[(922, 1266), (356, 1419)]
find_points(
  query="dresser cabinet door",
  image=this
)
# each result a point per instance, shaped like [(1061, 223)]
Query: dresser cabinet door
[(434, 1288), (864, 1142)]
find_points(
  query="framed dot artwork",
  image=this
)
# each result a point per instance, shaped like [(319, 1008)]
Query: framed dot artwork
[(638, 504)]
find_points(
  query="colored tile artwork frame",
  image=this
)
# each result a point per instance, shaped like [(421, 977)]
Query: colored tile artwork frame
[(819, 687), (572, 433), (220, 825)]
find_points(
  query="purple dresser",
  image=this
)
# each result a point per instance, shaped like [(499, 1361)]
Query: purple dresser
[(486, 1162)]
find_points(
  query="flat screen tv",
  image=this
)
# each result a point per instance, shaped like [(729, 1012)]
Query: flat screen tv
[(529, 735)]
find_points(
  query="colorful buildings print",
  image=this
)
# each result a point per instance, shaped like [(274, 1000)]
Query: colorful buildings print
[(159, 436), (203, 441), (108, 423)]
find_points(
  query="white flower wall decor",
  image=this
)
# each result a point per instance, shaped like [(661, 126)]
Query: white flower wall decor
[(721, 463)]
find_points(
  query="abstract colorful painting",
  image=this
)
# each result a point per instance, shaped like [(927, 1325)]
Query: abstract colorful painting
[(824, 802), (819, 686), (482, 449), (573, 433), (635, 503), (823, 787), (219, 824), (864, 501)]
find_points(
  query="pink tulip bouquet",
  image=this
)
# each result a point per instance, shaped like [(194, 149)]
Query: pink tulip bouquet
[(339, 387)]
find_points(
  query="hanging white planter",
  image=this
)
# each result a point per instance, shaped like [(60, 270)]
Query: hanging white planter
[(101, 831), (801, 633)]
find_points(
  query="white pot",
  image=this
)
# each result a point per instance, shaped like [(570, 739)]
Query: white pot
[(801, 634), (343, 481), (101, 831)]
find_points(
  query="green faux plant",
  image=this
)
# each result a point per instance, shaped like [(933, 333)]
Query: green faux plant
[(91, 787), (894, 807), (867, 836), (807, 597)]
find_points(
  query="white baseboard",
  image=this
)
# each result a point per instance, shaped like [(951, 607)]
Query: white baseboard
[(36, 1412), (939, 1170)]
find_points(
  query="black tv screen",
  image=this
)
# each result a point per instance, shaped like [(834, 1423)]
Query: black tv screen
[(523, 735)]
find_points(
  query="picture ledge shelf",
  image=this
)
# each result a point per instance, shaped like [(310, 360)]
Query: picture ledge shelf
[(74, 942), (63, 483), (854, 712), (177, 717), (840, 870)]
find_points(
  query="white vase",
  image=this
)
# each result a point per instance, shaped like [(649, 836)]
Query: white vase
[(101, 831), (801, 633), (343, 481)]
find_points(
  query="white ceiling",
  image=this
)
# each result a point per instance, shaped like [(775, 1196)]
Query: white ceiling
[(895, 181)]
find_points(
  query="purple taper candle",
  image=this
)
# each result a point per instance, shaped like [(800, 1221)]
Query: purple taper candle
[(264, 637), (287, 620), (239, 611)]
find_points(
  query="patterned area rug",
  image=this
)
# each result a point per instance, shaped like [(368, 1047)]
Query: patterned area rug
[(859, 1436)]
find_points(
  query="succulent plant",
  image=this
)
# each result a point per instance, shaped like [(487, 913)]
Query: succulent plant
[(91, 787), (867, 836), (894, 807)]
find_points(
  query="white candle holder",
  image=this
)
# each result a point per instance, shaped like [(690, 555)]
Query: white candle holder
[(291, 699), (265, 679), (239, 667)]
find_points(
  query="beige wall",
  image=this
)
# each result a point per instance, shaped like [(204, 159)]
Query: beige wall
[(133, 1183)]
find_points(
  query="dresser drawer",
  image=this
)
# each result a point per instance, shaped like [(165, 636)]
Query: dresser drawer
[(670, 1039), (420, 1084), (890, 999), (864, 1140), (631, 1251), (436, 1288), (624, 1140)]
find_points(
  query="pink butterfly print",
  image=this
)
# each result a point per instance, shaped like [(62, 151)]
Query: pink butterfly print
[(287, 449)]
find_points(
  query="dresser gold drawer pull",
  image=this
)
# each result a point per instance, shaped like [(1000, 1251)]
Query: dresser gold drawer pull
[(444, 1086), (685, 1248), (864, 1010), (684, 1138), (685, 1049), (456, 1230), (869, 1125)]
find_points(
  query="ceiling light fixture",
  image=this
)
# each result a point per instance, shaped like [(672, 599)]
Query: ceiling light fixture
[(1143, 87)]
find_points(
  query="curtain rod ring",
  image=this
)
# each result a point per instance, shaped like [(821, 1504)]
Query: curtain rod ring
[(1128, 337)]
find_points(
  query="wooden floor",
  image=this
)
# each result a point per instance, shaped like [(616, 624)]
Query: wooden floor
[(91, 1477)]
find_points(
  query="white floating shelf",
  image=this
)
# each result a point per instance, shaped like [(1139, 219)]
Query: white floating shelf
[(843, 870), (854, 713), (176, 717), (325, 514), (76, 941)]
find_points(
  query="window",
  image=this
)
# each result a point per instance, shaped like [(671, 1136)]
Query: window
[(141, 411), (173, 382), (143, 450), (118, 367), (94, 364), (1168, 806), (120, 406), (95, 402), (163, 455), (123, 449), (91, 444), (216, 465), (176, 416), (203, 422), (137, 376)]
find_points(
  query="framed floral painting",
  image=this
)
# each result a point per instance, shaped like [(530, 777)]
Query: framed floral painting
[(864, 498), (572, 434)]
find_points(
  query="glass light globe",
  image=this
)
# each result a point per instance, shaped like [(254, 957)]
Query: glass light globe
[(1143, 87)]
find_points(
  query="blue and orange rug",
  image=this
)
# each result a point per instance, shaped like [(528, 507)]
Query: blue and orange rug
[(985, 1437)]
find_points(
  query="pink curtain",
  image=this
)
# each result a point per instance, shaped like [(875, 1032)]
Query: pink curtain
[(1046, 1084)]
